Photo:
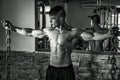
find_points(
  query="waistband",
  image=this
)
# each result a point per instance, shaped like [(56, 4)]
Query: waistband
[(64, 67)]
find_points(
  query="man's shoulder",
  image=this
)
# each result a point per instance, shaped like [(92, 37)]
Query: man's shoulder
[(68, 27), (74, 29), (48, 29), (101, 30), (91, 30)]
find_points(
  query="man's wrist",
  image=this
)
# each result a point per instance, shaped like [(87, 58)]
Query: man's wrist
[(13, 28)]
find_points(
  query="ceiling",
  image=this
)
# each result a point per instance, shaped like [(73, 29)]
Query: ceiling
[(89, 2), (83, 0)]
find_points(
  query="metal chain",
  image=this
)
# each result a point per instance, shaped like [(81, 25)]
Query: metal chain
[(114, 43), (8, 42), (113, 66)]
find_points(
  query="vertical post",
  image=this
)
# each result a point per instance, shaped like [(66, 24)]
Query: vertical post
[(114, 17), (101, 19), (117, 19), (43, 16), (66, 9)]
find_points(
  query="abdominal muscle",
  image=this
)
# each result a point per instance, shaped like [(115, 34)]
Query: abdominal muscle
[(60, 57)]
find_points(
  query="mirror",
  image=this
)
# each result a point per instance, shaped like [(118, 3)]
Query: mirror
[(78, 14), (43, 20)]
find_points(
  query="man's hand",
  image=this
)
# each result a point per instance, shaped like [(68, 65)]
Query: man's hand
[(7, 24)]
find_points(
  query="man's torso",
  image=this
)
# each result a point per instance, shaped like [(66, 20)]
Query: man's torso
[(61, 46), (96, 45)]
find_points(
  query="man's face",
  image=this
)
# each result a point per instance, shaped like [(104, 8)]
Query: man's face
[(55, 22)]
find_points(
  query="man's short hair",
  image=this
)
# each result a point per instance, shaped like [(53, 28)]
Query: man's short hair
[(57, 9), (96, 18)]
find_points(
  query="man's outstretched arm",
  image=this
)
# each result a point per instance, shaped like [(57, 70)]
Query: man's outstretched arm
[(95, 35), (25, 31)]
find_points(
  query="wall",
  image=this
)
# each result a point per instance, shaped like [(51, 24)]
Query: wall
[(32, 66), (78, 16), (21, 13), (110, 2)]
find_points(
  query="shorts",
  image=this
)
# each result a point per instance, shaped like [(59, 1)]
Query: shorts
[(60, 73)]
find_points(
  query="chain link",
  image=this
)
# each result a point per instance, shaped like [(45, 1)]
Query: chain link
[(114, 43), (8, 42)]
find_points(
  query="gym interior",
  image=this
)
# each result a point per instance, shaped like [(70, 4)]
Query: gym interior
[(27, 58)]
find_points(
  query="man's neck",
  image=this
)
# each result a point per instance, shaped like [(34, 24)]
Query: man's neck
[(61, 27), (96, 26)]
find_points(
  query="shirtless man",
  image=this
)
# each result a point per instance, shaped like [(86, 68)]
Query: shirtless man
[(95, 24), (63, 40)]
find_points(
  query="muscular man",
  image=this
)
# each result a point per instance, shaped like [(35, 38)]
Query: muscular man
[(95, 24), (63, 40)]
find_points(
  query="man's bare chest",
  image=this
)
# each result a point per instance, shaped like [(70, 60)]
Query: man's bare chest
[(60, 38)]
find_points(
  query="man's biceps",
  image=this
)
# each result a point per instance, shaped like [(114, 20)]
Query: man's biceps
[(87, 39), (86, 35), (98, 34), (36, 32), (41, 36)]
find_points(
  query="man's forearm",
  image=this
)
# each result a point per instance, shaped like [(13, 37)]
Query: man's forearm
[(22, 31), (29, 32), (14, 28), (98, 36)]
